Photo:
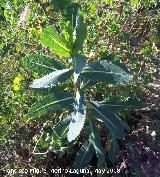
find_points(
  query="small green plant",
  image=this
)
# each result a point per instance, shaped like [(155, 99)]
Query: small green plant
[(85, 112)]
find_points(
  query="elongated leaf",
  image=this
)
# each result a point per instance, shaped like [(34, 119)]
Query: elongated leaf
[(70, 13), (59, 133), (51, 103), (116, 107), (96, 141), (46, 91), (84, 155), (86, 83), (78, 118), (112, 121), (63, 126), (58, 45), (52, 79), (60, 4), (68, 9), (108, 72), (113, 151), (41, 64), (75, 125), (80, 34), (79, 64)]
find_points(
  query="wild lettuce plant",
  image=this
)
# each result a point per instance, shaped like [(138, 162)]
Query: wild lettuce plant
[(84, 110)]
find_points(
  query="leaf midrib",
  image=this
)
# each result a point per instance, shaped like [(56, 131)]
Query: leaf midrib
[(104, 117), (86, 151), (43, 66), (125, 106), (105, 72), (59, 44), (69, 98)]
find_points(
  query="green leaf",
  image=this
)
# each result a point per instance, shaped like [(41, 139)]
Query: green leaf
[(51, 103), (41, 64), (80, 34), (59, 133), (52, 79), (55, 141), (78, 118), (84, 155), (113, 151), (71, 13), (86, 83), (96, 141), (112, 121), (68, 10), (46, 91), (107, 71), (58, 45), (60, 4), (115, 106), (63, 126), (79, 64)]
